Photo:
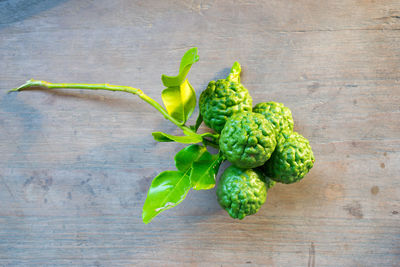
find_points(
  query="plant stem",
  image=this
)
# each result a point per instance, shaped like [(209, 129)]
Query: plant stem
[(107, 87), (234, 75)]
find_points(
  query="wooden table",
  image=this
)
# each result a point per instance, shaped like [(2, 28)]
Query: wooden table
[(75, 165)]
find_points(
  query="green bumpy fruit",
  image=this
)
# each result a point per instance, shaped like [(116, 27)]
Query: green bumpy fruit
[(276, 113), (241, 192), (291, 160), (247, 140), (221, 100)]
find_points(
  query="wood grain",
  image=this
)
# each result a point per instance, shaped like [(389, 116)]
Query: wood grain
[(75, 166)]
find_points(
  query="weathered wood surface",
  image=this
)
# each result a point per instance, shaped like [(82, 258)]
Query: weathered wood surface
[(75, 166)]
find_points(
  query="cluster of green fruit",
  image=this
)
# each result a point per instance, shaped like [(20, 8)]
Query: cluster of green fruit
[(259, 141)]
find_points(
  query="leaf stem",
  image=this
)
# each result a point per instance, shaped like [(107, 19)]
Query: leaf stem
[(234, 75), (108, 87)]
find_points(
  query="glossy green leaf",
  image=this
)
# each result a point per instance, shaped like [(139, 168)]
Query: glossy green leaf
[(208, 134), (186, 139), (204, 171), (167, 190), (179, 97), (234, 75), (188, 59), (180, 101), (161, 137), (185, 157), (198, 122)]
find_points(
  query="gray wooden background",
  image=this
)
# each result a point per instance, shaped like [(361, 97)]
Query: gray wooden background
[(75, 166)]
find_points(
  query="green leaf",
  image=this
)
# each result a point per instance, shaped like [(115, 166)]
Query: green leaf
[(198, 122), (234, 75), (180, 101), (179, 97), (208, 134), (187, 139), (204, 171), (188, 59), (185, 157), (204, 166), (167, 190), (161, 137)]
